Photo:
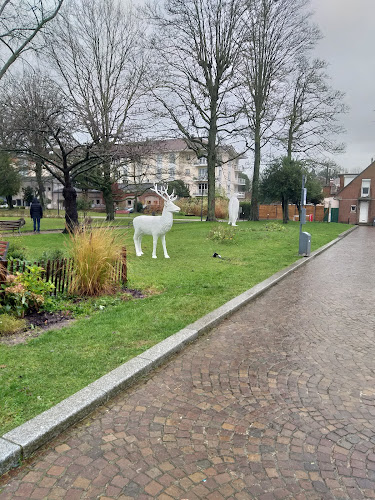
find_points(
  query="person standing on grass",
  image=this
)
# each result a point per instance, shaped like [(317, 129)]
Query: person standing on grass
[(36, 213)]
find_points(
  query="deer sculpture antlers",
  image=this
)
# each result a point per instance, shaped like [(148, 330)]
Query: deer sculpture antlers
[(155, 226)]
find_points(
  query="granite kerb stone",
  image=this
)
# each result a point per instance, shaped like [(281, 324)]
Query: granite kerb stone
[(169, 346), (10, 455)]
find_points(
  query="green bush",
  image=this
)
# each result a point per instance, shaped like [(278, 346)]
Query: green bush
[(10, 324), (55, 254), (83, 205), (16, 251), (245, 209), (25, 292)]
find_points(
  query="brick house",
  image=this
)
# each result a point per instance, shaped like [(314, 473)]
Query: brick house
[(356, 197)]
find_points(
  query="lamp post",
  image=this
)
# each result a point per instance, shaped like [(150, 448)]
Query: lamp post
[(304, 238), (202, 206)]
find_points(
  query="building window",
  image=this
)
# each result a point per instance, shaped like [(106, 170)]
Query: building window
[(365, 191), (172, 173), (98, 202), (353, 208), (202, 173), (203, 161), (187, 171), (202, 188)]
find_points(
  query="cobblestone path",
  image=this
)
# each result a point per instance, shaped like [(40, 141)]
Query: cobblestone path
[(278, 402)]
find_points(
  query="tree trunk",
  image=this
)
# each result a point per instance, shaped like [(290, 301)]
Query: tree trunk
[(10, 202), (107, 192), (211, 164), (71, 213), (211, 188), (254, 207), (39, 179), (109, 205), (284, 203)]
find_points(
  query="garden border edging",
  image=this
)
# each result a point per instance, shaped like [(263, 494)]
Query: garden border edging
[(22, 441)]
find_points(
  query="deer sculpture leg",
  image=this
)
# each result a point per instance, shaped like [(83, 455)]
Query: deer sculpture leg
[(164, 247), (137, 243), (154, 244)]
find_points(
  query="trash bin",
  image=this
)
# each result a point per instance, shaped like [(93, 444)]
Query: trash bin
[(304, 244)]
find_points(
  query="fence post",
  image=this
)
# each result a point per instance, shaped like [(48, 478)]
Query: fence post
[(124, 269), (3, 270)]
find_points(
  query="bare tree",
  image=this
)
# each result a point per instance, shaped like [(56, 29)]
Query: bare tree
[(9, 133), (39, 115), (277, 31), (311, 112), (20, 22), (97, 52), (199, 48)]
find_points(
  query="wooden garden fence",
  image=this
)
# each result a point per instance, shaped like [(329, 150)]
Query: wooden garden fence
[(60, 271)]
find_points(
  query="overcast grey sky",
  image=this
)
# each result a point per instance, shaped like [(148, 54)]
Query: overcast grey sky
[(348, 27)]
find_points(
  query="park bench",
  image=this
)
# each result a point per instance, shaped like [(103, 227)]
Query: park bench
[(11, 225)]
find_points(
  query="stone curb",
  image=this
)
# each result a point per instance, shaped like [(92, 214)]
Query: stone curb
[(24, 440)]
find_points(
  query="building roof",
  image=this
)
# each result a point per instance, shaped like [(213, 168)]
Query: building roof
[(356, 176)]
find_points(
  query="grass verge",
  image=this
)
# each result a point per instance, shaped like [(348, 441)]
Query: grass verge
[(36, 375)]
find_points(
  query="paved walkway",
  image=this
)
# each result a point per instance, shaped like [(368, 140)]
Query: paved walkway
[(278, 402)]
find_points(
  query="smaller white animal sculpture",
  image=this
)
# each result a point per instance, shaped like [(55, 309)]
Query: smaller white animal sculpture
[(155, 226), (234, 206)]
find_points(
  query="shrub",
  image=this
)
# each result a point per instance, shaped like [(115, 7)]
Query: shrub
[(16, 251), (10, 324), (55, 254), (222, 233), (95, 254), (245, 209), (221, 208), (25, 292), (194, 206), (83, 204)]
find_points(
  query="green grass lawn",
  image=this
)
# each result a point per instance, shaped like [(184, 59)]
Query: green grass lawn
[(36, 375), (51, 221)]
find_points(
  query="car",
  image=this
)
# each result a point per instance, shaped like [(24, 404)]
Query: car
[(4, 206)]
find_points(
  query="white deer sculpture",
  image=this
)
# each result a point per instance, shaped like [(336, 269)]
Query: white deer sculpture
[(155, 226)]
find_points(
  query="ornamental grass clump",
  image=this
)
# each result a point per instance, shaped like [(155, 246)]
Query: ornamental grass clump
[(95, 254)]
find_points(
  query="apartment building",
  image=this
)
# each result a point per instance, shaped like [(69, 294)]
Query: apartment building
[(171, 159)]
